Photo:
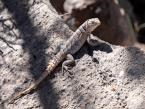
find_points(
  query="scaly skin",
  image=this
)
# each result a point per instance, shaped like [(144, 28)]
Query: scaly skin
[(74, 43)]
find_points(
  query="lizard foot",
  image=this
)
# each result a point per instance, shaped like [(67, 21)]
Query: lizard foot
[(66, 65)]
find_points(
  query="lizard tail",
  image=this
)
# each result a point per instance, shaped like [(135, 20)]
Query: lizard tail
[(52, 64), (20, 94)]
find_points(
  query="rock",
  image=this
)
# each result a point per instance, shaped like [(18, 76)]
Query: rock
[(115, 80)]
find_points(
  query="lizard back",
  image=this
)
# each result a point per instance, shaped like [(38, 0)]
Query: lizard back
[(79, 37)]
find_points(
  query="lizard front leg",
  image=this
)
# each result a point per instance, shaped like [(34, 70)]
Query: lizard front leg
[(94, 40)]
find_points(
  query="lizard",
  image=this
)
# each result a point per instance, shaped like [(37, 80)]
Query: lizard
[(72, 45)]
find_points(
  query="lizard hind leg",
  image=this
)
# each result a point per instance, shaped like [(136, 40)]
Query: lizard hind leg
[(66, 65)]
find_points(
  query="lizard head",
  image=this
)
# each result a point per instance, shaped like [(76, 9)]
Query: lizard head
[(92, 24)]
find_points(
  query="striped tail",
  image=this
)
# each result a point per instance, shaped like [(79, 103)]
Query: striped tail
[(52, 65)]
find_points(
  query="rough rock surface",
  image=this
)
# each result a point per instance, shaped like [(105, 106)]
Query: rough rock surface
[(75, 4), (106, 76), (108, 80)]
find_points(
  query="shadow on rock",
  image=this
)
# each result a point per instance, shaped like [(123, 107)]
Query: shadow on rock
[(34, 44)]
